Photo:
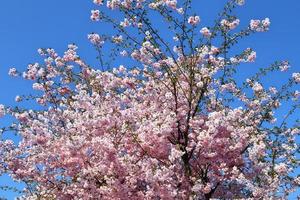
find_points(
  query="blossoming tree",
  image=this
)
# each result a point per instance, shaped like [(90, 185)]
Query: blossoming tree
[(177, 126)]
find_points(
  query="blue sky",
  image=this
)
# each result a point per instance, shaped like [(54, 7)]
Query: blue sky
[(28, 25)]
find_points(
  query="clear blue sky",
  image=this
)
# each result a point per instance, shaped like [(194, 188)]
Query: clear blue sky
[(26, 25)]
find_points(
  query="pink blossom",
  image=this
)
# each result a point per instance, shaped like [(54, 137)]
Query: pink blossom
[(207, 188), (284, 67), (260, 26), (281, 168), (13, 72), (123, 53), (297, 180), (194, 20), (171, 3), (295, 131), (251, 56), (296, 94), (175, 154), (113, 4), (18, 98), (95, 16), (22, 117), (230, 24), (125, 23), (180, 11), (38, 86), (296, 77), (206, 32), (41, 101), (266, 23), (254, 24), (273, 90), (98, 2), (122, 69), (95, 39), (117, 39)]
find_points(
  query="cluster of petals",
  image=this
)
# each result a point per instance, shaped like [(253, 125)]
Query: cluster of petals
[(13, 72), (296, 77), (260, 25), (230, 24), (121, 138), (95, 39), (194, 20), (95, 15), (168, 3), (205, 32), (98, 2), (164, 130)]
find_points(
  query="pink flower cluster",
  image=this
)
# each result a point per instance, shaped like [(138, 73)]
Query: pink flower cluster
[(194, 20), (98, 2), (296, 77), (205, 32), (95, 15), (95, 39), (260, 26), (178, 126), (13, 72), (230, 24), (130, 137)]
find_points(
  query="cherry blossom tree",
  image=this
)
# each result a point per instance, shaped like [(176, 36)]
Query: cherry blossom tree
[(176, 124)]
